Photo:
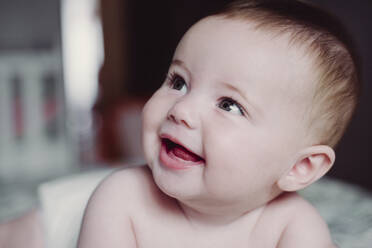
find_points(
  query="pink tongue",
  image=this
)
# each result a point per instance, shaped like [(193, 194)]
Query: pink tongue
[(184, 154)]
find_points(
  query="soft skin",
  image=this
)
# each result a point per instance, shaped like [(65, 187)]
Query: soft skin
[(245, 154), (236, 97)]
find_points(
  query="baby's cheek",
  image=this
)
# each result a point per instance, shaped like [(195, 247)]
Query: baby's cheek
[(146, 120), (153, 110)]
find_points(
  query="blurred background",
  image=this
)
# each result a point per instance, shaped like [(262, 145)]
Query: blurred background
[(74, 75)]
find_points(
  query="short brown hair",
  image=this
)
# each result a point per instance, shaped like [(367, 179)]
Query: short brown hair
[(328, 43)]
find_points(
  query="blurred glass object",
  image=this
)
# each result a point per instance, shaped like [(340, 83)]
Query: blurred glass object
[(18, 119), (50, 106)]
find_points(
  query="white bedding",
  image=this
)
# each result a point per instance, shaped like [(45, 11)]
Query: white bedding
[(62, 205), (346, 208)]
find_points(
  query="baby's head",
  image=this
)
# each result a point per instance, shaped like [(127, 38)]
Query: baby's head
[(255, 99), (329, 50)]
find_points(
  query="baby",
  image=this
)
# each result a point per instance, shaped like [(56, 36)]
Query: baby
[(255, 99)]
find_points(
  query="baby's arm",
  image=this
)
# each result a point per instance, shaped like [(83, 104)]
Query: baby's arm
[(107, 221), (306, 228)]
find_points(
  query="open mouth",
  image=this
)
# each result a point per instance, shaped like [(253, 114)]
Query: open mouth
[(176, 150)]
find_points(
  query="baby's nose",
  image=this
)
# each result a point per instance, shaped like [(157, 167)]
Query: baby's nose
[(184, 112)]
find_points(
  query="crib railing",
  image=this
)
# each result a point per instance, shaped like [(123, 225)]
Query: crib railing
[(34, 141)]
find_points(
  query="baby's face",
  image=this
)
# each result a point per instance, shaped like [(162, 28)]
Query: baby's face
[(227, 122)]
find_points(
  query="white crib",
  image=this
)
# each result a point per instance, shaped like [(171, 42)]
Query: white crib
[(34, 141)]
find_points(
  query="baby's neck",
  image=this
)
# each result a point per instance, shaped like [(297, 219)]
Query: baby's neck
[(200, 217)]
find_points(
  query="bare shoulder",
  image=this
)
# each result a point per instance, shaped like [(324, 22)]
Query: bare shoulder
[(108, 221), (130, 177), (304, 226), (123, 188)]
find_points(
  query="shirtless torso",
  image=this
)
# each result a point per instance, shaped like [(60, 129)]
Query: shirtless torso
[(128, 210)]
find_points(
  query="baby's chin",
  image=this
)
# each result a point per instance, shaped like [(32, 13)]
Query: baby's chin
[(181, 185)]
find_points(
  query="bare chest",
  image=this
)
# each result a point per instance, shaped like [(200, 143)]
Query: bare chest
[(162, 232)]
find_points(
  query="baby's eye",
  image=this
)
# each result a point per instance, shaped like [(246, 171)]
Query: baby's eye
[(231, 105), (178, 83)]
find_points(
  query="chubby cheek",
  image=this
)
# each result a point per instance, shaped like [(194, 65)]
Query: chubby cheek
[(153, 114), (241, 162)]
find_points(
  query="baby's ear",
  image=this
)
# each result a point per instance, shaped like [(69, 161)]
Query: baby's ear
[(311, 164)]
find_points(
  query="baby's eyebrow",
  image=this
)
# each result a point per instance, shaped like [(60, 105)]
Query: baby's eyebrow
[(180, 63)]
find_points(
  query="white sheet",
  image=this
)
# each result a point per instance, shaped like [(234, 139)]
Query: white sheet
[(62, 205)]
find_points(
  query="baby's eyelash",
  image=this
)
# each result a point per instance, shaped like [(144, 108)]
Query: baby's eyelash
[(170, 76), (240, 107), (176, 82)]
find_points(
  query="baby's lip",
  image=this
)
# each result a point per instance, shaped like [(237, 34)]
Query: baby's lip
[(176, 141)]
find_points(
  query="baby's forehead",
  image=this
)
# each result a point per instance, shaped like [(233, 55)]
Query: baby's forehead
[(274, 76), (238, 49)]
